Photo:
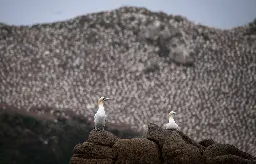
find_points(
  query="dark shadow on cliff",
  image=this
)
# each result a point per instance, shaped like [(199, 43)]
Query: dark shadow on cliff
[(26, 139)]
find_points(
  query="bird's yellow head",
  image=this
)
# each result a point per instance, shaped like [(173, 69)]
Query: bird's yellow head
[(171, 114), (102, 99)]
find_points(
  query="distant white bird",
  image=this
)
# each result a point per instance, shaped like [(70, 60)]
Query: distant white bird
[(100, 116), (172, 124)]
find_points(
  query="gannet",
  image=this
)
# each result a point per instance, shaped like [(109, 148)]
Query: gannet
[(172, 124), (100, 116)]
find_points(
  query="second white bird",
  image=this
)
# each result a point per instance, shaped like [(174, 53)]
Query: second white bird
[(172, 124)]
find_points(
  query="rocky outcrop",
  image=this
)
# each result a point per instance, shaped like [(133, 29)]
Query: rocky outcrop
[(172, 42), (159, 146)]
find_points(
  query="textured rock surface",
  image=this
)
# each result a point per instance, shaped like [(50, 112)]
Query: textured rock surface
[(149, 63), (176, 150), (137, 150), (104, 138), (225, 149), (160, 146), (206, 142)]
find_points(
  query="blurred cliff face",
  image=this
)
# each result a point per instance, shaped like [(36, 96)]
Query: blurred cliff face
[(149, 63)]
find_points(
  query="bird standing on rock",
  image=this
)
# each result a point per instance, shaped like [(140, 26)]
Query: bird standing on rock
[(100, 116), (172, 124)]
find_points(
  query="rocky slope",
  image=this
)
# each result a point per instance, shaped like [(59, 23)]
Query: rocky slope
[(159, 147), (148, 63)]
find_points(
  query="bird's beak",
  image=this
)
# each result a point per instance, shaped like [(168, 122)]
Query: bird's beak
[(107, 99)]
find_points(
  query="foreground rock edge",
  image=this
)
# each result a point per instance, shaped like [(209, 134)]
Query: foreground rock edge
[(159, 146)]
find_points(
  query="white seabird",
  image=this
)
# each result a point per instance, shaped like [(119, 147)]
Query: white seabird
[(172, 124), (100, 116)]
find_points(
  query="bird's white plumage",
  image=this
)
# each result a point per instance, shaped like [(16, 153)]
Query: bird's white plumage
[(100, 118), (172, 124), (100, 115)]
